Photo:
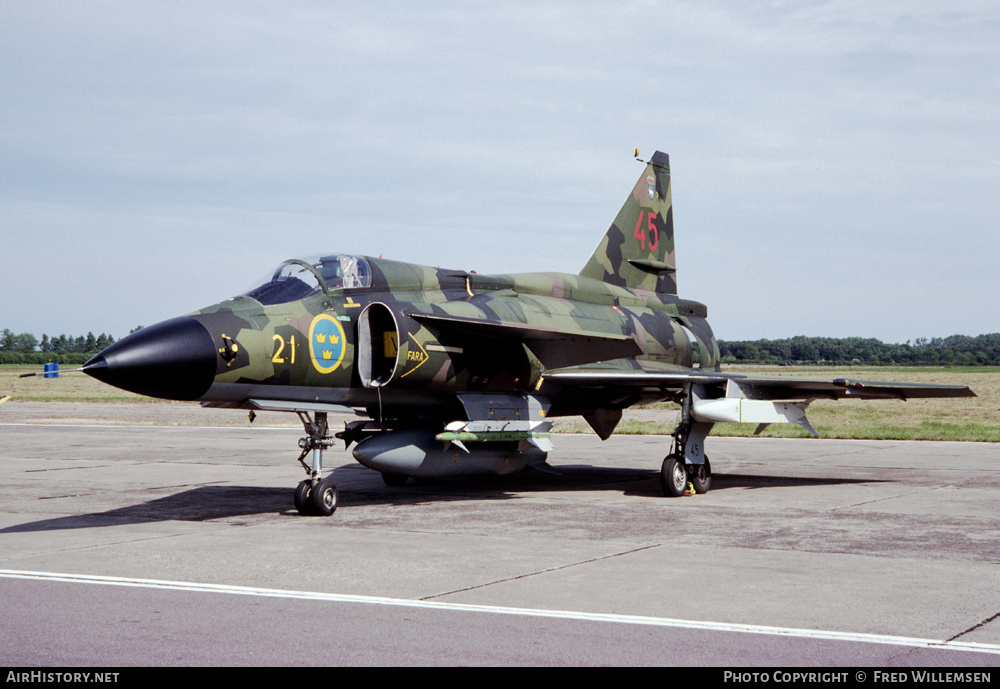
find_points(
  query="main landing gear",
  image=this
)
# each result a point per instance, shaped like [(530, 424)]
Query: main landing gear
[(687, 462), (315, 496), (675, 476)]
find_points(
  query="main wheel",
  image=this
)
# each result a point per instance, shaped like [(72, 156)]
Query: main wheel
[(302, 502), (324, 498), (673, 476), (701, 476)]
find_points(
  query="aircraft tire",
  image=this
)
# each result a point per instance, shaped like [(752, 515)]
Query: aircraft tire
[(700, 476), (673, 476), (324, 498), (302, 502)]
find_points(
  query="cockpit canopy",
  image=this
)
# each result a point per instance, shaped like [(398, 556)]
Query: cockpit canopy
[(300, 278)]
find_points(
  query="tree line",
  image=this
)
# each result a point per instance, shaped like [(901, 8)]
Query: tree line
[(25, 348), (957, 350)]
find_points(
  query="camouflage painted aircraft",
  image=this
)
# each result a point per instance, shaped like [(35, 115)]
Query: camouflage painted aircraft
[(455, 373)]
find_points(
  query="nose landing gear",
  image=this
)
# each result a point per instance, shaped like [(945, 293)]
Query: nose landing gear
[(315, 496)]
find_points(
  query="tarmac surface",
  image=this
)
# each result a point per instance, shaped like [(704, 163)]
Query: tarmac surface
[(161, 544)]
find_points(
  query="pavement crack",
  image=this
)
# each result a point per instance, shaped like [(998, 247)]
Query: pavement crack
[(541, 571), (974, 628), (892, 497), (13, 557)]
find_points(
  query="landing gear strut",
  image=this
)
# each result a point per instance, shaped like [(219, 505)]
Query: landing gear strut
[(315, 496)]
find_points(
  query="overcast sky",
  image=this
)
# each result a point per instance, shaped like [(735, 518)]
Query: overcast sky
[(836, 165)]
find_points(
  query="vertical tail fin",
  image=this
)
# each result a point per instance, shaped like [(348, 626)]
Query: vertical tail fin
[(638, 250)]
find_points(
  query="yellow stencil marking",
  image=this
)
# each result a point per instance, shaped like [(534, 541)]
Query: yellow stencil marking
[(412, 356)]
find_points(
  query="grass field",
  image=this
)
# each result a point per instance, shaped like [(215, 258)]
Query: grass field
[(71, 387), (967, 419)]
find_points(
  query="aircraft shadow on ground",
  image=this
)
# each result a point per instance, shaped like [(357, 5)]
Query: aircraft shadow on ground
[(366, 488)]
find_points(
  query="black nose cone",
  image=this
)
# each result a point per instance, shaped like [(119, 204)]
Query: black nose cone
[(174, 360)]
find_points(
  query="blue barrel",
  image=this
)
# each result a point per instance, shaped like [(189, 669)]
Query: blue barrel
[(51, 370)]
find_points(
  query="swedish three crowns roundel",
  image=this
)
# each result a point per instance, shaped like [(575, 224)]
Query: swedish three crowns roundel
[(326, 343)]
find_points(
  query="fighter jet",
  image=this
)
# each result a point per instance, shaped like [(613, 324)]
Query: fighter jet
[(454, 373)]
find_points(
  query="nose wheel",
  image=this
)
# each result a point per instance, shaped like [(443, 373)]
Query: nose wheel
[(316, 501), (315, 497)]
